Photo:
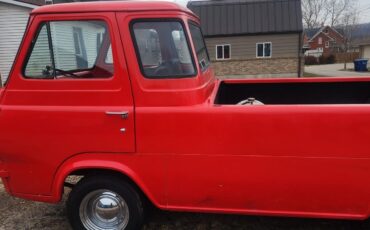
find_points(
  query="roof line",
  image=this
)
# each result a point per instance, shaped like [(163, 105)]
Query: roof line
[(253, 34), (320, 31), (22, 4)]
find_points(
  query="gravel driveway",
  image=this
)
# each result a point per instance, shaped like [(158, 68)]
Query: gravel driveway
[(19, 214)]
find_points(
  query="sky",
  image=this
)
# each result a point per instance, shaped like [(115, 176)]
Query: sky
[(363, 6)]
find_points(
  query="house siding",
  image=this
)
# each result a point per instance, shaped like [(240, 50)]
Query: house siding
[(244, 47), (284, 61), (365, 52), (13, 21)]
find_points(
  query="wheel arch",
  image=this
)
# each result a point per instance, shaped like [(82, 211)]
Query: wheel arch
[(86, 164)]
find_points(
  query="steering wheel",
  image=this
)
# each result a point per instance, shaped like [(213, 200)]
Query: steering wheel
[(163, 69), (168, 67), (66, 73), (48, 68)]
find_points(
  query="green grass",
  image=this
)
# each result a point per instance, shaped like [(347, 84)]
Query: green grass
[(305, 74)]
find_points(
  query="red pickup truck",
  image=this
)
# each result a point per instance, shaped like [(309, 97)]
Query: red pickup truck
[(123, 95)]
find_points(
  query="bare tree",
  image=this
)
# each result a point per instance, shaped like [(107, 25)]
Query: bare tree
[(349, 24), (337, 9), (314, 13), (325, 12)]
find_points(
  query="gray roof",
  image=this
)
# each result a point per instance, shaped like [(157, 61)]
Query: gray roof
[(239, 17), (311, 32)]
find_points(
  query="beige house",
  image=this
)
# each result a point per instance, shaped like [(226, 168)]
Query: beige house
[(253, 38), (365, 51)]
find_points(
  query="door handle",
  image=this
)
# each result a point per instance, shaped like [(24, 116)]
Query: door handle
[(123, 114)]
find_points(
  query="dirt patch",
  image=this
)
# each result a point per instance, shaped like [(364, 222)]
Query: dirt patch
[(19, 214)]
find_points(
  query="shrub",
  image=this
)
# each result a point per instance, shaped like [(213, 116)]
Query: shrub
[(330, 59), (310, 60)]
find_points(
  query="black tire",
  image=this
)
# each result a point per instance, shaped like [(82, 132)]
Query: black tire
[(103, 182)]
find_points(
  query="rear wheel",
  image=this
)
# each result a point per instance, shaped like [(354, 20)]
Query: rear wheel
[(104, 203)]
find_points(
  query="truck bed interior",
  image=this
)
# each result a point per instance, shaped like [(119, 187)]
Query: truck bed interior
[(302, 93)]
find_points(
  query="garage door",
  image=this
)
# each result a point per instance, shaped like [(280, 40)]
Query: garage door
[(13, 21)]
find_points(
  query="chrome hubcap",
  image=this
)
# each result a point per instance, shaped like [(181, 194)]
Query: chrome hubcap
[(104, 210)]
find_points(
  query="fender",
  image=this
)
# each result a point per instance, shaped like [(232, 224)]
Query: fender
[(105, 161)]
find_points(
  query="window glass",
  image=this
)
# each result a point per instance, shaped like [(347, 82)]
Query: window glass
[(267, 49), (260, 50), (226, 52), (220, 52), (200, 46), (181, 47), (109, 57), (40, 58), (163, 49), (70, 49)]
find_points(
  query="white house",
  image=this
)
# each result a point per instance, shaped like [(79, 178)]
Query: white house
[(13, 20)]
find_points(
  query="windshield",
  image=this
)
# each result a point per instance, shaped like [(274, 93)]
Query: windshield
[(163, 49)]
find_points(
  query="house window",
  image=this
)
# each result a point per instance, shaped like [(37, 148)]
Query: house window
[(264, 50), (327, 44), (320, 40), (320, 49), (223, 52)]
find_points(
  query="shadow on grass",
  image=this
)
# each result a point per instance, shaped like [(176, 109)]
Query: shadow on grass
[(162, 220)]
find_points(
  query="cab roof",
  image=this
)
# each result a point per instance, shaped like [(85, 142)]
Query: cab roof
[(111, 6)]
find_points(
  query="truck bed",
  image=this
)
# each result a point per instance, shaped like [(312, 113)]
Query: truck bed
[(291, 93)]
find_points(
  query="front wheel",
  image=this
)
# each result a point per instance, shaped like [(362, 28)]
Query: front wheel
[(104, 203)]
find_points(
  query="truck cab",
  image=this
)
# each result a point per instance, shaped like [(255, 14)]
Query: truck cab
[(75, 87), (123, 95)]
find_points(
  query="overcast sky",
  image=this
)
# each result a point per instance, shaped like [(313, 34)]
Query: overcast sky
[(363, 6)]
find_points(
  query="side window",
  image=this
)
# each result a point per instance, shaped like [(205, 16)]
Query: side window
[(200, 46), (70, 49), (40, 57), (163, 49), (223, 52)]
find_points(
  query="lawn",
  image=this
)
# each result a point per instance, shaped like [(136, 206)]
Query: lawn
[(305, 74)]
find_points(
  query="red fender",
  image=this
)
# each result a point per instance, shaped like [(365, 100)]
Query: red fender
[(96, 161)]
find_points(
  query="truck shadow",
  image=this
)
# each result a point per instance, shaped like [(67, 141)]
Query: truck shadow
[(19, 214), (163, 220)]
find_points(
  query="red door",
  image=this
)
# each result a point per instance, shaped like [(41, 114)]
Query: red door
[(56, 107)]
